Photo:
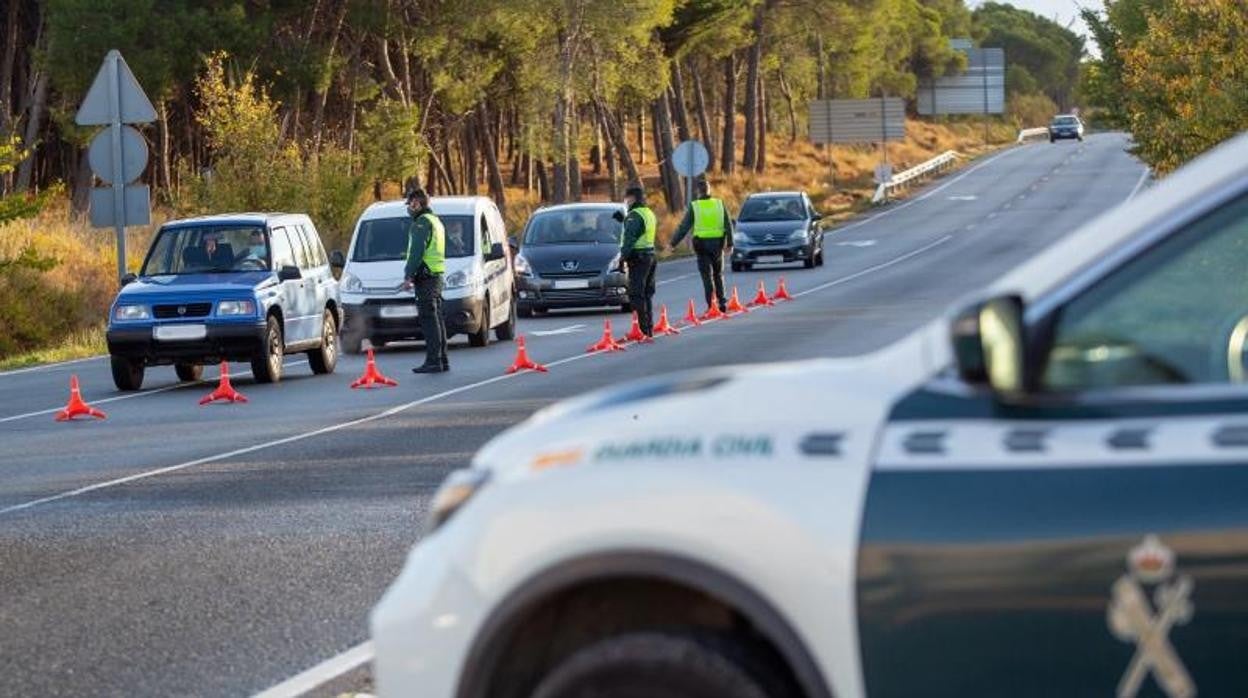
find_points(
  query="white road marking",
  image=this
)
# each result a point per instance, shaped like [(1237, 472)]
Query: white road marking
[(130, 396), (963, 197), (674, 278), (49, 367), (1138, 185), (868, 270), (570, 329), (322, 673), (856, 243)]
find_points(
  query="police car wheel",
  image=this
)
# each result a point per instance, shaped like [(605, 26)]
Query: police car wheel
[(266, 366), (127, 373), (657, 665), (324, 358), (188, 373)]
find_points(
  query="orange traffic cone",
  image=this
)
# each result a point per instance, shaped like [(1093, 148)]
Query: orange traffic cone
[(77, 407), (635, 334), (607, 343), (761, 298), (734, 303), (523, 362), (373, 377), (714, 313), (224, 392), (664, 327), (691, 315), (782, 292)]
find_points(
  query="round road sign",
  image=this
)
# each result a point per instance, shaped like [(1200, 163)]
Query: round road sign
[(690, 159), (133, 155)]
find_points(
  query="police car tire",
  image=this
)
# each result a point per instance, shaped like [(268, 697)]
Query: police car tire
[(660, 665), (188, 373), (324, 358), (262, 367), (127, 373)]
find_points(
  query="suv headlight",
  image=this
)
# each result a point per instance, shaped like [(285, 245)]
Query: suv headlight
[(132, 312), (461, 279), (798, 235), (236, 308), (455, 491), (522, 265)]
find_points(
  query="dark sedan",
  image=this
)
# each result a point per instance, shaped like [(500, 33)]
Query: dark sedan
[(777, 228), (570, 258)]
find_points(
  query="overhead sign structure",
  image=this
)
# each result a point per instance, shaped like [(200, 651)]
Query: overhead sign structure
[(690, 159), (875, 120), (978, 90), (118, 154)]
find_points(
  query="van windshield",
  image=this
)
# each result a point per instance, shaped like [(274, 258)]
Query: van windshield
[(208, 249), (385, 239)]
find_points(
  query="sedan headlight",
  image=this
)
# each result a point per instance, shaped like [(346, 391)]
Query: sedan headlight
[(739, 239), (236, 308), (458, 487), (351, 283), (616, 263), (461, 279), (798, 235), (522, 265), (132, 312)]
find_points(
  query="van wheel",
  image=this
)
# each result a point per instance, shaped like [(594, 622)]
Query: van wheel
[(188, 373), (481, 337), (266, 366), (324, 358), (127, 373), (662, 665), (507, 331)]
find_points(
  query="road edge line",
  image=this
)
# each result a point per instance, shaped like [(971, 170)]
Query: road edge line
[(321, 674)]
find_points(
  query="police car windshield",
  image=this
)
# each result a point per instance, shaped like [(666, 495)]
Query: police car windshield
[(772, 208), (201, 249), (385, 239), (574, 227)]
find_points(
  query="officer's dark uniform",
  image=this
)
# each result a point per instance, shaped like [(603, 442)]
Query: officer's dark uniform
[(637, 251), (712, 230), (426, 262)]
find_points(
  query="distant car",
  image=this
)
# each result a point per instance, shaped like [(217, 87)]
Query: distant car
[(1065, 126), (239, 287), (478, 290), (777, 227), (570, 258)]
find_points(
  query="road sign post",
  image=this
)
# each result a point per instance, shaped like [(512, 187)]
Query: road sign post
[(117, 154)]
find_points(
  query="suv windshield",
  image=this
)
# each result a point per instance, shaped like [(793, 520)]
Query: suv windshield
[(199, 249), (574, 226), (772, 208), (385, 239)]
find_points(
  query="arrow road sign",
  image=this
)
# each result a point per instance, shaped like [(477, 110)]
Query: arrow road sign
[(133, 106)]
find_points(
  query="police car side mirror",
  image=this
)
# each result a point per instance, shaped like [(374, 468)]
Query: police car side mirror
[(289, 273), (989, 345), (337, 260)]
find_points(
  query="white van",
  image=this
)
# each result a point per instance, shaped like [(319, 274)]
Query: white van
[(478, 287)]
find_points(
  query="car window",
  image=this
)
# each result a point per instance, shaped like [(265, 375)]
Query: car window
[(772, 208), (1176, 314), (215, 248), (316, 251), (300, 246), (385, 239), (282, 254), (574, 226), (486, 244)]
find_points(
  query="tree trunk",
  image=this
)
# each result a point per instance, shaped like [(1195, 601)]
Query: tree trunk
[(761, 163), (663, 149), (543, 183), (788, 98), (574, 160), (322, 96), (162, 163), (704, 122), (641, 136), (497, 192), (34, 121), (680, 114), (616, 137), (750, 156), (80, 194), (7, 112), (469, 149), (728, 159)]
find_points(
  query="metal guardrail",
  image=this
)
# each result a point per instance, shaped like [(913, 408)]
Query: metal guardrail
[(901, 179), (1032, 133)]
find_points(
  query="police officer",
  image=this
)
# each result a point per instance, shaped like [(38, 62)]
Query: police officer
[(637, 251), (712, 230), (426, 261)]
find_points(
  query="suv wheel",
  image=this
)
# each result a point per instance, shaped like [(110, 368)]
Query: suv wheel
[(481, 337), (188, 373), (324, 358), (662, 665), (127, 373), (266, 366), (507, 331)]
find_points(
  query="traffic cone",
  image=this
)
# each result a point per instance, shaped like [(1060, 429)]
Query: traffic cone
[(691, 315), (714, 313), (782, 292), (635, 334), (77, 407), (224, 392), (523, 362), (664, 327), (372, 377), (761, 299), (734, 303), (607, 343)]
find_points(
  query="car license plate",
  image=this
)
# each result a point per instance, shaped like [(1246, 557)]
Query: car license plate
[(572, 283), (174, 333), (771, 259), (393, 311)]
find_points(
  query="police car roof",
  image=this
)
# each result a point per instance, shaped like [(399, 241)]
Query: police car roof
[(441, 205), (248, 218)]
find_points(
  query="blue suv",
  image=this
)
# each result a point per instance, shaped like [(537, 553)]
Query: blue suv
[(239, 287)]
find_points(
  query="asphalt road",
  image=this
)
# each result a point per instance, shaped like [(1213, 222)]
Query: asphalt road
[(174, 549)]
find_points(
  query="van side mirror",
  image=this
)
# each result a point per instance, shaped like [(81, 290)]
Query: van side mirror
[(514, 246), (289, 273), (815, 215), (128, 277), (337, 260), (496, 253), (989, 345)]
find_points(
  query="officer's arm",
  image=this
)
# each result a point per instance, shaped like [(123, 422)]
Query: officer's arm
[(417, 238), (633, 230), (686, 224)]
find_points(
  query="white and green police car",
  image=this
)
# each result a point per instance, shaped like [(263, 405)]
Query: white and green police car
[(1044, 495)]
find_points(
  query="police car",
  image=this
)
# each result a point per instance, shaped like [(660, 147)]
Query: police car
[(1045, 494)]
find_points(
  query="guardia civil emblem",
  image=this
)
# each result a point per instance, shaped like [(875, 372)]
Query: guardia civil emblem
[(1135, 617)]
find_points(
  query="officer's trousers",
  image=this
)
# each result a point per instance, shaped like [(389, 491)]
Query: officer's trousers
[(428, 289), (710, 253), (641, 270)]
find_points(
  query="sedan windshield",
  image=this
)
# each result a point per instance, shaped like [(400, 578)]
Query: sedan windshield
[(1065, 121), (575, 226), (772, 208), (208, 248), (385, 239)]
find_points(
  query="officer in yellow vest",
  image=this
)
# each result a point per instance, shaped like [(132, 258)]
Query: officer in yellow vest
[(708, 219), (637, 251), (426, 262)]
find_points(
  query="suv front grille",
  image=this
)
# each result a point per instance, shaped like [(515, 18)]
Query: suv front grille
[(168, 312)]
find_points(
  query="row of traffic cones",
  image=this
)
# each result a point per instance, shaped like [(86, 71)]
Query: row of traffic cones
[(77, 407)]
